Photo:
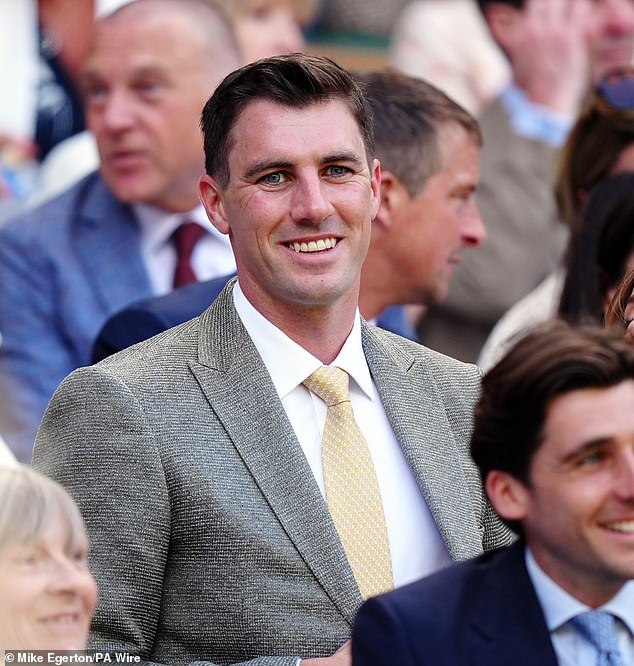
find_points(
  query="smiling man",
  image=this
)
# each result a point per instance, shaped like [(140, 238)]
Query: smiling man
[(217, 459), (554, 440)]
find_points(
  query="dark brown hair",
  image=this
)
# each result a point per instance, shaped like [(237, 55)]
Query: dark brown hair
[(295, 81), (408, 113)]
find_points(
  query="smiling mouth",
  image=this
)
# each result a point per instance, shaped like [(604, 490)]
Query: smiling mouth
[(313, 246), (62, 619), (623, 526)]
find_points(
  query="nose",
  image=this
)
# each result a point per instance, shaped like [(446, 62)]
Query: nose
[(117, 113), (310, 202), (72, 577), (619, 17), (625, 479), (473, 229)]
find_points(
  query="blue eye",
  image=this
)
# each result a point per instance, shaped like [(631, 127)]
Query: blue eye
[(337, 170), (273, 178)]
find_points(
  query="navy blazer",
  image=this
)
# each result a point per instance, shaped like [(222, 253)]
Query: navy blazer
[(65, 267), (151, 316), (483, 612)]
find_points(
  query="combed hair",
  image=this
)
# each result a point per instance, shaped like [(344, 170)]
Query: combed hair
[(295, 81), (552, 360)]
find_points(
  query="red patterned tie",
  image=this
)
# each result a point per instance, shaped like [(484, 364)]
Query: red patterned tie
[(185, 238)]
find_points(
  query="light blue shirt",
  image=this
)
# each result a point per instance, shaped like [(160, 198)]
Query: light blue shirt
[(534, 121), (571, 648)]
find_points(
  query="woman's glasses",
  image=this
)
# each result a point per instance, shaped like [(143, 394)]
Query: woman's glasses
[(616, 90)]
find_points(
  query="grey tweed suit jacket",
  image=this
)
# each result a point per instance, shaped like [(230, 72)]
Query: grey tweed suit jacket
[(210, 538)]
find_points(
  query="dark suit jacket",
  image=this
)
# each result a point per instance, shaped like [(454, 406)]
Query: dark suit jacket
[(151, 316), (210, 539), (65, 267), (479, 613)]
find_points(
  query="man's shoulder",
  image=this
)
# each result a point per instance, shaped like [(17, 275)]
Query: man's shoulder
[(450, 588), (407, 352)]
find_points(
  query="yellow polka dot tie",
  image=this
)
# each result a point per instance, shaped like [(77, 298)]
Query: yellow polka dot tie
[(352, 489)]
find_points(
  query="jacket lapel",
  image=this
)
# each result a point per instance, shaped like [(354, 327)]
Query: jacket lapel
[(416, 412), (110, 257), (242, 395), (509, 625)]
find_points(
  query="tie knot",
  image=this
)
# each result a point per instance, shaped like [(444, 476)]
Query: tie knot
[(186, 236), (598, 627), (330, 384)]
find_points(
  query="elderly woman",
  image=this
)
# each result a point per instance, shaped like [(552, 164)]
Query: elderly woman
[(47, 594)]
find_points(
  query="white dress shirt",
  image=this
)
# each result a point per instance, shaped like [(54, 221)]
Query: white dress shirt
[(212, 256), (415, 543), (571, 648)]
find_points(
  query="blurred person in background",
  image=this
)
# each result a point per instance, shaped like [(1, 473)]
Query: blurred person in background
[(43, 44), (131, 230), (600, 144), (47, 594), (556, 49), (449, 45)]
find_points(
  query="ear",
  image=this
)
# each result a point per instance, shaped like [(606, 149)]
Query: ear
[(393, 194), (502, 19), (375, 183), (211, 197), (508, 496)]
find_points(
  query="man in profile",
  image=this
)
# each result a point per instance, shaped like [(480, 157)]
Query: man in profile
[(250, 476), (554, 442)]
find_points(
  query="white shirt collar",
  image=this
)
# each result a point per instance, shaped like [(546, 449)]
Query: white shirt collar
[(273, 345), (559, 607), (157, 226)]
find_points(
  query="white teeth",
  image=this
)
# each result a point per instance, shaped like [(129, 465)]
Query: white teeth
[(625, 526), (315, 246)]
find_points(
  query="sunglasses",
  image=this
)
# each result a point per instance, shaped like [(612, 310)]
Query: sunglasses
[(616, 90)]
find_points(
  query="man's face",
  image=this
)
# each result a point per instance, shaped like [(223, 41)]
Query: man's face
[(145, 84), (578, 511), (298, 206), (431, 229), (610, 35)]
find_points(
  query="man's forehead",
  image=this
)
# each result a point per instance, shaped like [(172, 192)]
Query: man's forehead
[(260, 115)]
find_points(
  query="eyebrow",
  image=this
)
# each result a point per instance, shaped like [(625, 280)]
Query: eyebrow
[(588, 447), (266, 165)]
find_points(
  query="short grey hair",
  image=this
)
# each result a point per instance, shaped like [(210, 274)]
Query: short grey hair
[(31, 502)]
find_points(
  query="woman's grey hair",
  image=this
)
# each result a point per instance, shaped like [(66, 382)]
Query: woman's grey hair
[(30, 503)]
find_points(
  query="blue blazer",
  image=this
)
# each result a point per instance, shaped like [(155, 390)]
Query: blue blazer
[(65, 267), (151, 316), (483, 612)]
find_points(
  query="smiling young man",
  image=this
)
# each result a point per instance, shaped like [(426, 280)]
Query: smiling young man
[(554, 440), (248, 546)]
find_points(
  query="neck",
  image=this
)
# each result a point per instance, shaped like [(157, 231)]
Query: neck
[(377, 286)]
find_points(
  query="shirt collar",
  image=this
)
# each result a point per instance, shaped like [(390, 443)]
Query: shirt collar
[(273, 345), (157, 226), (559, 607)]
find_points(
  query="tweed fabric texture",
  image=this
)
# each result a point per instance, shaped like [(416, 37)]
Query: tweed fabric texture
[(599, 628), (210, 539), (352, 489)]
